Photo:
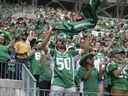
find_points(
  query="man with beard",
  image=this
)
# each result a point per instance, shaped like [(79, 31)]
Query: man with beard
[(63, 77)]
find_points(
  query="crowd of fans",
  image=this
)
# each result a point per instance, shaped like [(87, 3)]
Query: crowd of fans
[(100, 55)]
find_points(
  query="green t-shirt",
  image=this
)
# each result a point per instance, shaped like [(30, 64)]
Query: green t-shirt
[(41, 66), (120, 82), (64, 70), (90, 87), (4, 53)]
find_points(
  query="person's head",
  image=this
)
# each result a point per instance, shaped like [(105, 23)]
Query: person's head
[(39, 44), (117, 55), (94, 51), (61, 41), (97, 45), (87, 60)]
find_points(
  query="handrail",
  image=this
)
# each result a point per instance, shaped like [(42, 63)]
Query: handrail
[(33, 78)]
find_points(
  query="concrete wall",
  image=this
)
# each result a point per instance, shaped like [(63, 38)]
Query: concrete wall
[(11, 88), (11, 92)]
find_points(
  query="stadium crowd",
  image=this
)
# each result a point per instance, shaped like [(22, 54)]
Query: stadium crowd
[(93, 62)]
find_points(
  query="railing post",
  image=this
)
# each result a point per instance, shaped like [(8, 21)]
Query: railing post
[(29, 81)]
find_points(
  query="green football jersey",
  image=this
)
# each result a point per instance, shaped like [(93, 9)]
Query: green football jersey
[(4, 53), (120, 82), (40, 65), (90, 87), (64, 70), (35, 62)]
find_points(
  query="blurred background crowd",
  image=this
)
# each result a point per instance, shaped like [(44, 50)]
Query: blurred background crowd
[(23, 30)]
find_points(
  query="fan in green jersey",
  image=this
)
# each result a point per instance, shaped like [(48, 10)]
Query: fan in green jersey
[(88, 74), (4, 56), (41, 64), (119, 75), (63, 82)]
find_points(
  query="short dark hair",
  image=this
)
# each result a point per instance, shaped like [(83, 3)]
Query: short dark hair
[(83, 60)]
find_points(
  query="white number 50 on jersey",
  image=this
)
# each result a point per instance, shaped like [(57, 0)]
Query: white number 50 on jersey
[(63, 63)]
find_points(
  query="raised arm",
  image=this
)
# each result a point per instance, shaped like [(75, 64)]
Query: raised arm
[(45, 42), (47, 38)]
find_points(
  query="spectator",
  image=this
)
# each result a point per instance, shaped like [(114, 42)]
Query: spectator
[(88, 74), (63, 81), (105, 30), (4, 57), (119, 76), (40, 64), (41, 69), (22, 49), (99, 64)]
